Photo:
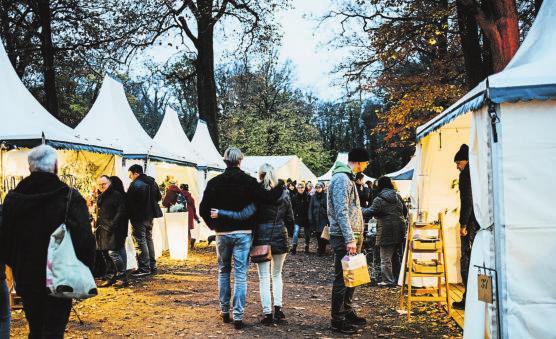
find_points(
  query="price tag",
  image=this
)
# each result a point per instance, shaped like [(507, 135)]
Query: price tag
[(485, 288)]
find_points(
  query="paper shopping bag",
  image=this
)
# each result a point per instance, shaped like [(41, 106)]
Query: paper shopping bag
[(355, 270), (325, 233)]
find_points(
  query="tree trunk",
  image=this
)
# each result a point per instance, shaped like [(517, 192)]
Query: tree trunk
[(47, 51), (501, 28), (206, 84), (471, 46)]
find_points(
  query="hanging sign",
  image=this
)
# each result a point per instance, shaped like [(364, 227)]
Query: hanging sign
[(485, 288)]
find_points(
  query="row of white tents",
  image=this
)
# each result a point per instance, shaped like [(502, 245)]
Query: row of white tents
[(508, 121)]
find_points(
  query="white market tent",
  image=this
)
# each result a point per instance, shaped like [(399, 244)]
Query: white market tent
[(203, 144), (508, 121), (287, 166), (343, 158), (402, 178), (26, 123), (111, 118)]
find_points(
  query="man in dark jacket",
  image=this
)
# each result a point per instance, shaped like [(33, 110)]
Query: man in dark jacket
[(233, 190), (468, 223), (300, 205), (318, 216), (111, 230), (143, 196), (32, 212)]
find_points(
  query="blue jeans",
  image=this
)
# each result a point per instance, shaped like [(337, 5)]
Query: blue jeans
[(119, 258), (4, 310), (236, 247), (295, 235)]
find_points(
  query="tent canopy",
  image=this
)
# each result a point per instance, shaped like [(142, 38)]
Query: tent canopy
[(343, 158), (25, 122), (111, 118), (287, 166), (406, 173), (171, 136), (203, 144)]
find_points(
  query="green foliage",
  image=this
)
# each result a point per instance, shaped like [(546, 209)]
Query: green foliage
[(263, 115)]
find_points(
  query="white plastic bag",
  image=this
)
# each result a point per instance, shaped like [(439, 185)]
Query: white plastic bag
[(67, 276)]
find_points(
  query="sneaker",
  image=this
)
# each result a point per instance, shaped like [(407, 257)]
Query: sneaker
[(383, 284), (121, 283), (294, 249), (343, 327), (140, 273), (238, 324), (459, 305), (278, 314), (226, 317), (267, 320), (307, 249), (153, 271), (353, 319)]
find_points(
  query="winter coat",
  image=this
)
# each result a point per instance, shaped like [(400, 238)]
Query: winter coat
[(143, 196), (318, 216), (344, 210), (364, 195), (112, 222), (233, 190), (32, 211), (191, 209), (273, 220), (171, 196), (300, 205), (466, 214), (390, 211)]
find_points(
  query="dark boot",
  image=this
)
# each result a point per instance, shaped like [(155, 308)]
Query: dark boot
[(226, 317), (353, 319), (294, 249), (267, 320), (238, 324), (343, 327), (307, 249), (459, 305), (278, 314)]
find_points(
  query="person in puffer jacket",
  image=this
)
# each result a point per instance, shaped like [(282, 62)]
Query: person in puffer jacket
[(346, 236), (390, 211)]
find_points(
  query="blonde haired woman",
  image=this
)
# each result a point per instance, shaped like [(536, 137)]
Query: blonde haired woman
[(271, 222)]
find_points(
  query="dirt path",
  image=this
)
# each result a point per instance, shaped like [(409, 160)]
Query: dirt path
[(181, 301)]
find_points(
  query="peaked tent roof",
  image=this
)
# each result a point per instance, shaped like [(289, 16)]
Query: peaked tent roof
[(406, 173), (343, 158), (25, 120), (203, 144), (530, 75), (171, 135), (111, 119), (290, 165)]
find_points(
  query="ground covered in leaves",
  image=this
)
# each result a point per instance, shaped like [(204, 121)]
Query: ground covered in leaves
[(181, 301)]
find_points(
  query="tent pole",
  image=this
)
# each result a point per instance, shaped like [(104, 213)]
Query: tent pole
[(499, 225)]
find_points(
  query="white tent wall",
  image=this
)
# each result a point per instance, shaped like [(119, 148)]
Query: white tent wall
[(528, 162)]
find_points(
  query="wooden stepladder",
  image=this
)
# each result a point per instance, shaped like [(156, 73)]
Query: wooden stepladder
[(431, 243)]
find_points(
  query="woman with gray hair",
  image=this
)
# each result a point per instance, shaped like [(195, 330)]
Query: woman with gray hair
[(271, 221)]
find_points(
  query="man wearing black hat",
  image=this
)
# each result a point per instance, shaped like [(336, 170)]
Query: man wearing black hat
[(467, 221), (346, 235)]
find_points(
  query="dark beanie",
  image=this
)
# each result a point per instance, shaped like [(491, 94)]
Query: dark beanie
[(462, 154), (358, 155)]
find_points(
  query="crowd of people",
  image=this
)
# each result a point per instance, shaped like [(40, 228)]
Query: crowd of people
[(253, 219)]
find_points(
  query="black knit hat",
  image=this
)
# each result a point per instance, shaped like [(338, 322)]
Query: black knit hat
[(358, 155), (462, 154)]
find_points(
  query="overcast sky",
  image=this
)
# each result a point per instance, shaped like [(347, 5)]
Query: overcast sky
[(304, 43)]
